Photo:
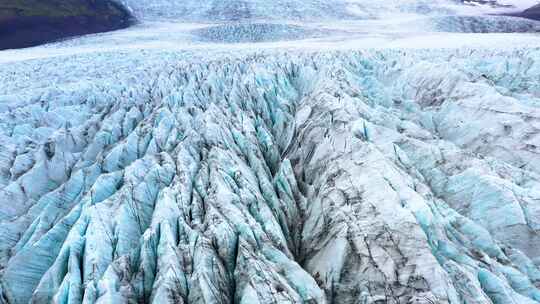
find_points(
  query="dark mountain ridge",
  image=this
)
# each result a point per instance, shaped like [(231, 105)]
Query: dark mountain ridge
[(25, 23), (531, 13)]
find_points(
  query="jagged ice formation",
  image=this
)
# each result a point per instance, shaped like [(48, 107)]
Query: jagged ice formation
[(386, 176)]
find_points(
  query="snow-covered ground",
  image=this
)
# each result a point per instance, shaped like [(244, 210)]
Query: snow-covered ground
[(391, 157)]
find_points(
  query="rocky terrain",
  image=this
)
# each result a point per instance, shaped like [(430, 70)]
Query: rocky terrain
[(531, 13), (25, 23)]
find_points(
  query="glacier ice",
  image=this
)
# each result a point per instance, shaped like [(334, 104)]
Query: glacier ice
[(173, 162), (369, 176), (254, 32)]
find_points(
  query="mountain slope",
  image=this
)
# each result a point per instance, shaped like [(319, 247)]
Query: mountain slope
[(531, 13), (26, 23)]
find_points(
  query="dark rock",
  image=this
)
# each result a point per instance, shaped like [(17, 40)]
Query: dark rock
[(25, 23), (530, 13)]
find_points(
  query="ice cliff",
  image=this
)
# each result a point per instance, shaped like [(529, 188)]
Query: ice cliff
[(382, 176)]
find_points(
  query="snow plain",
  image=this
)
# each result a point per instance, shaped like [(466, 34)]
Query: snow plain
[(389, 159)]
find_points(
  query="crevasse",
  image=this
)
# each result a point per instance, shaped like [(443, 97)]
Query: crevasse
[(386, 176)]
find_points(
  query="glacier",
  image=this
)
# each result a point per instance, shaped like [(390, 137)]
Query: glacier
[(176, 162)]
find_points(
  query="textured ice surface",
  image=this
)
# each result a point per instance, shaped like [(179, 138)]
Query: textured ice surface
[(386, 162), (254, 32), (196, 10), (486, 24), (385, 176)]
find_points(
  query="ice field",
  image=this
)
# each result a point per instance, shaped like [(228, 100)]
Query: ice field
[(218, 152)]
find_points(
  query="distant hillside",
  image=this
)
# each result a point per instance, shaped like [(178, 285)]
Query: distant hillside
[(26, 23), (531, 13)]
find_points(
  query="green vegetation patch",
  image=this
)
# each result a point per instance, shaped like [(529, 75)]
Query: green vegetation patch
[(100, 9)]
